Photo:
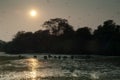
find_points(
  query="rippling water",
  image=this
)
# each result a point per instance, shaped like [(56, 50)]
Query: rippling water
[(96, 68)]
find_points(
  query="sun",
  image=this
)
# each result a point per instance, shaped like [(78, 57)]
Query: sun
[(33, 13)]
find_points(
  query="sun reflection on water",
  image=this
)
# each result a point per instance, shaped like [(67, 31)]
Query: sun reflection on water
[(95, 75), (32, 66), (33, 75)]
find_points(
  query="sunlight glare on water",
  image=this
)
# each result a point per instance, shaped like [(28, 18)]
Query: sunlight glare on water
[(33, 75), (95, 75), (40, 69), (33, 65)]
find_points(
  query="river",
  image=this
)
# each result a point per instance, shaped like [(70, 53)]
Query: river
[(82, 68)]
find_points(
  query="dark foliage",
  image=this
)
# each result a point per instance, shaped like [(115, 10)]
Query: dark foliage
[(60, 38), (108, 38), (2, 45)]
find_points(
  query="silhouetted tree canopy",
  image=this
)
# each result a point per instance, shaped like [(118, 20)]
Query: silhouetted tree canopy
[(82, 38), (58, 26), (2, 45), (106, 31), (108, 36), (83, 33), (59, 37)]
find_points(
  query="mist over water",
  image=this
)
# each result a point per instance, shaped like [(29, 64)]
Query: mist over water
[(63, 69)]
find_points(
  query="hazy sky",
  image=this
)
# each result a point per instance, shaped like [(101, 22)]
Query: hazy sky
[(14, 14)]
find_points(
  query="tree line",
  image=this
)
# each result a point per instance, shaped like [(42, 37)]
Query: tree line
[(59, 37)]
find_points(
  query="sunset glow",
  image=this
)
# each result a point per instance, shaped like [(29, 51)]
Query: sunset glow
[(33, 13)]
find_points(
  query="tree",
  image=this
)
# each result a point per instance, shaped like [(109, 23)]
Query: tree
[(42, 40), (108, 36), (58, 26), (22, 42), (2, 45), (105, 31), (82, 37), (83, 33)]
